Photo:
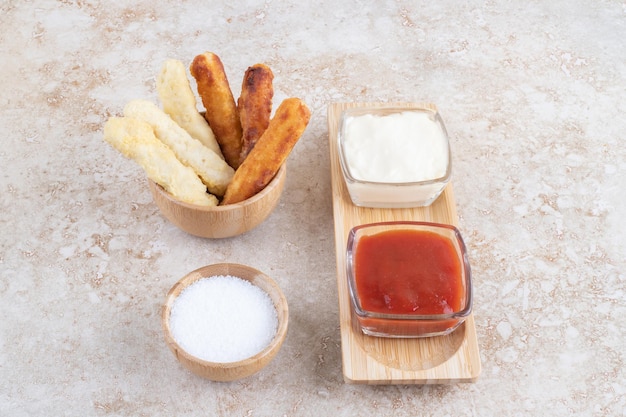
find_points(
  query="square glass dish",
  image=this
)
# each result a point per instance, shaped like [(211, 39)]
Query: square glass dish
[(393, 157), (408, 279)]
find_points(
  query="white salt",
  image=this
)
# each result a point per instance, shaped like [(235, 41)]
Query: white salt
[(223, 319)]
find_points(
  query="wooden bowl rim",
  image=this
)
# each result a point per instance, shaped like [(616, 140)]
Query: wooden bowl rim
[(275, 182), (203, 272)]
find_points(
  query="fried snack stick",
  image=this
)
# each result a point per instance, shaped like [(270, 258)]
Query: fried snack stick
[(214, 172), (218, 101), (270, 151), (179, 103), (255, 106), (135, 139)]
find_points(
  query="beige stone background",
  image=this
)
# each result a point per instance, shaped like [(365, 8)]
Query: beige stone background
[(532, 94)]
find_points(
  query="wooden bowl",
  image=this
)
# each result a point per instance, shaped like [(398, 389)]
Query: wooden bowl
[(221, 221), (228, 371)]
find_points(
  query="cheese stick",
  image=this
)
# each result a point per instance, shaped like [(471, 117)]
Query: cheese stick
[(270, 151), (214, 172), (135, 139), (179, 102), (255, 106), (219, 103)]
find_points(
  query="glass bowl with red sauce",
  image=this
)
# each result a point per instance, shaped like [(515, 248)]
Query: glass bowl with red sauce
[(408, 279)]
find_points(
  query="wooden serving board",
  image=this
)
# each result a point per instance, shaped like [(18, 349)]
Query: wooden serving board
[(375, 360)]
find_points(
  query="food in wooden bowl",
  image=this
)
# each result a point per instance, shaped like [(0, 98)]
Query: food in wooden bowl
[(223, 220), (225, 321), (217, 173), (408, 279)]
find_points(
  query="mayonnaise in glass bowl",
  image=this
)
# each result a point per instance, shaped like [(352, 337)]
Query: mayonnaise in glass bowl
[(394, 157)]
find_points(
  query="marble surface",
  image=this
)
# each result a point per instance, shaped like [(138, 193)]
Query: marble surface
[(532, 94)]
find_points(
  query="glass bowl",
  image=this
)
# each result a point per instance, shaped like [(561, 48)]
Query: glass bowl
[(408, 279), (393, 157)]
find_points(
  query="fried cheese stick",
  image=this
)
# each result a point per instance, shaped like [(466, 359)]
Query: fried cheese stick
[(214, 172), (255, 105), (219, 103), (270, 151), (179, 102), (135, 139)]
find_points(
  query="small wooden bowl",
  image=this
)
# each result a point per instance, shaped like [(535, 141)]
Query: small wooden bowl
[(228, 371), (221, 221)]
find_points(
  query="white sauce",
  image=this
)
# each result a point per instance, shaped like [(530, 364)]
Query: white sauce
[(391, 156), (400, 147)]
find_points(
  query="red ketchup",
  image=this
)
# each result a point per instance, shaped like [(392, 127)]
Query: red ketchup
[(408, 272)]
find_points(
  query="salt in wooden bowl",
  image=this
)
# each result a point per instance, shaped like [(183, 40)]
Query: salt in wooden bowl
[(220, 221), (228, 371)]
